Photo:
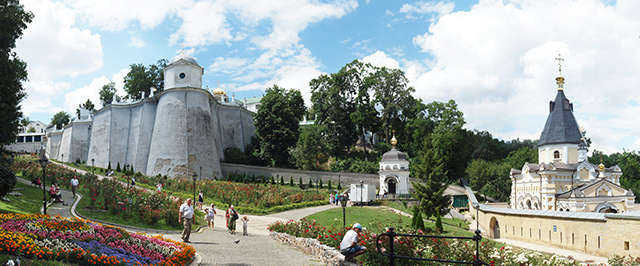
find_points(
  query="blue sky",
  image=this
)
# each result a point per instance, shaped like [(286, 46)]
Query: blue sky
[(495, 58)]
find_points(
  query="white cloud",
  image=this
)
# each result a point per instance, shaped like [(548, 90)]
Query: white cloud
[(53, 46), (135, 42), (205, 23), (497, 62), (116, 15), (74, 98), (441, 8), (380, 59)]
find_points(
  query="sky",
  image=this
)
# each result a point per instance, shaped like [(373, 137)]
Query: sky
[(495, 58)]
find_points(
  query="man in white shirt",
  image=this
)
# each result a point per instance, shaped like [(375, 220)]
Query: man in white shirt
[(186, 214), (349, 246), (74, 185)]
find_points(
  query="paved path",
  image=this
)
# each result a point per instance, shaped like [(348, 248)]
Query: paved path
[(218, 247)]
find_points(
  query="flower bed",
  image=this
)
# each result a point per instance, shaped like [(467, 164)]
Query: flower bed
[(450, 249), (86, 243)]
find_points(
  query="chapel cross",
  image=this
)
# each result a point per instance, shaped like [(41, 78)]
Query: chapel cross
[(560, 59)]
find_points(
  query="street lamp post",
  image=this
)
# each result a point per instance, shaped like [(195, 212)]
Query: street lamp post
[(195, 176), (361, 187), (339, 185), (126, 172), (92, 161), (43, 162), (343, 202), (62, 159), (200, 171)]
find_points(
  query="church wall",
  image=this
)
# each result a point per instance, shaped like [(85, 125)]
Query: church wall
[(201, 136), (101, 138)]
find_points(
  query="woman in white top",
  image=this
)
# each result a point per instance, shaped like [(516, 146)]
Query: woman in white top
[(211, 212)]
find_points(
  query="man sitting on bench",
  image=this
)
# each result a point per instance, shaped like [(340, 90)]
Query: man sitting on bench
[(55, 194)]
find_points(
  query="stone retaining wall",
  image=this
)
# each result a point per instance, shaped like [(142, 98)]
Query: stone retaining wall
[(324, 253)]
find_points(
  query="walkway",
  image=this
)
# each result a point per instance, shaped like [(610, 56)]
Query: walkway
[(218, 247)]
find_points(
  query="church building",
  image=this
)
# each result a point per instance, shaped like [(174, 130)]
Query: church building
[(394, 172), (564, 180)]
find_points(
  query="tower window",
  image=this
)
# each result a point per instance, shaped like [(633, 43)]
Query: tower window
[(182, 75), (566, 105), (556, 155)]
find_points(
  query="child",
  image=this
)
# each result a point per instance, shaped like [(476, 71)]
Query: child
[(211, 212), (245, 220)]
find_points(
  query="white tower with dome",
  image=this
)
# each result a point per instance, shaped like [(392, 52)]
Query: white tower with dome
[(394, 171)]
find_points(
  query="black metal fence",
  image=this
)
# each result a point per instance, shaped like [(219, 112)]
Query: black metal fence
[(392, 256)]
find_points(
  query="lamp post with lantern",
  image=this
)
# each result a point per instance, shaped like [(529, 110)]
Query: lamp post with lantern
[(195, 177), (92, 161), (361, 186), (343, 203), (43, 162)]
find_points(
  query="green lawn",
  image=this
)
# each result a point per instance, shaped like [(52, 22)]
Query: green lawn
[(29, 202), (367, 216), (448, 221)]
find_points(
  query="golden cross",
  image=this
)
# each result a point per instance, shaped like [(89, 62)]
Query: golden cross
[(182, 48), (560, 59)]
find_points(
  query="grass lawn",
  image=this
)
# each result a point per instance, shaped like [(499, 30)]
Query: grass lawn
[(30, 201), (448, 221)]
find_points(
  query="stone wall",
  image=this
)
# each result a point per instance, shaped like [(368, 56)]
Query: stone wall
[(344, 178), (324, 253), (603, 234)]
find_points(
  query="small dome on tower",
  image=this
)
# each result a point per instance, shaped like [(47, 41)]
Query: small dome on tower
[(393, 155), (183, 56)]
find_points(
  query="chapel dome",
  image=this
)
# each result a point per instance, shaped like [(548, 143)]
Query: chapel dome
[(393, 155), (185, 57)]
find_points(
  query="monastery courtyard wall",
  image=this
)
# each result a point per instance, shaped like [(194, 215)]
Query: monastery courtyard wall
[(592, 233)]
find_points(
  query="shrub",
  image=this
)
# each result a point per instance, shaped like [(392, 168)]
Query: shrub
[(234, 155), (118, 169), (329, 184), (310, 183), (109, 166), (291, 181), (282, 181), (439, 224), (320, 184)]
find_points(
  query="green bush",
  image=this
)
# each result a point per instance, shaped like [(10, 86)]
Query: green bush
[(291, 181), (329, 184), (109, 166), (439, 224), (310, 183), (282, 181), (234, 155), (118, 169)]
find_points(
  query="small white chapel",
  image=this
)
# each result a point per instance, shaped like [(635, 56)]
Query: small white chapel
[(394, 171)]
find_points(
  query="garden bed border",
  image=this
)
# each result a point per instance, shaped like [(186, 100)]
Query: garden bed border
[(310, 246)]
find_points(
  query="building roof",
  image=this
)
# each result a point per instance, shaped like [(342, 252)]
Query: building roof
[(393, 155), (561, 126), (185, 57)]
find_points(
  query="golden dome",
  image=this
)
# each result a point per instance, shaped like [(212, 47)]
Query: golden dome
[(218, 91), (601, 166)]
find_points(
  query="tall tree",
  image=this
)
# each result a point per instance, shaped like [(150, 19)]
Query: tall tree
[(365, 117), (333, 99), (391, 92), (88, 105), (277, 123), (60, 119), (14, 20), (311, 149), (141, 79), (430, 191), (107, 92)]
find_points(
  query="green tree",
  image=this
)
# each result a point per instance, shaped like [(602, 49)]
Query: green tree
[(31, 130), (311, 149), (234, 155), (14, 20), (333, 101), (277, 124), (60, 119), (107, 92), (7, 176), (365, 117), (141, 79), (88, 105), (391, 91), (291, 181), (430, 191)]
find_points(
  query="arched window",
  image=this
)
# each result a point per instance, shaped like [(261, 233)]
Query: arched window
[(567, 105), (556, 155)]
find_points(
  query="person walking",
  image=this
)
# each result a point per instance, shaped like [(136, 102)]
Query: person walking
[(159, 187), (244, 220), (211, 212), (186, 218), (226, 217), (200, 199), (349, 246), (74, 185), (233, 217)]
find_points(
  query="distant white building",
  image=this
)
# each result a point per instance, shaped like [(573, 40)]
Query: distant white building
[(30, 139)]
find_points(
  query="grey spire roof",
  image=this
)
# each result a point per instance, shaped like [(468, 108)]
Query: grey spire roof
[(393, 155), (561, 126)]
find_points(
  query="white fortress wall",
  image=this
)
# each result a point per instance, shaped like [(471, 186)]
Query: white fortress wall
[(79, 147), (53, 144), (144, 117), (237, 126), (120, 132), (201, 135), (101, 138), (65, 143), (216, 119), (168, 151)]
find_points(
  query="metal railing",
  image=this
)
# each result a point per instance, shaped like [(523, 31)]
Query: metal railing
[(392, 256)]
